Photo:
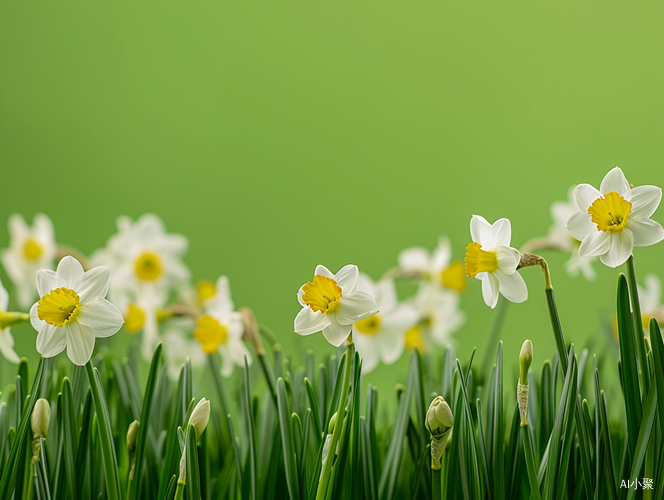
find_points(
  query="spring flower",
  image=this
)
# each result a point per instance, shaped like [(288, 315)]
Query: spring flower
[(438, 267), (650, 295), (178, 346), (331, 303), (381, 337), (612, 221), (220, 329), (491, 259), (200, 416), (73, 311), (142, 310), (439, 422), (438, 317), (30, 249), (39, 421), (6, 339)]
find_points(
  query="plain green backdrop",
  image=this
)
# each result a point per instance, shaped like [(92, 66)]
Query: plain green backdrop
[(280, 135)]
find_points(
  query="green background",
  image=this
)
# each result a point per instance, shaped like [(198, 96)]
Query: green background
[(281, 135)]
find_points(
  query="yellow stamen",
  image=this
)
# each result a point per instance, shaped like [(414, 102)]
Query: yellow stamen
[(369, 326), (322, 294), (454, 276), (610, 212), (414, 338), (210, 333), (148, 266), (32, 250), (480, 261), (59, 307), (134, 319), (206, 290)]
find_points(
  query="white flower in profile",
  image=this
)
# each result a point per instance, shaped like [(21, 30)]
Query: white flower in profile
[(438, 267), (438, 317), (6, 339), (612, 221), (178, 346), (650, 295), (73, 310), (331, 303), (220, 329), (30, 249), (381, 337), (559, 237), (491, 259)]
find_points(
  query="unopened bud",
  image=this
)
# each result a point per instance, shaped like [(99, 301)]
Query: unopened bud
[(41, 417), (200, 416), (132, 435), (439, 422), (522, 389)]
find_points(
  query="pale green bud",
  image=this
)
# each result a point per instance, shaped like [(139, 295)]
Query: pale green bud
[(132, 435), (525, 360), (439, 417), (41, 416), (200, 416)]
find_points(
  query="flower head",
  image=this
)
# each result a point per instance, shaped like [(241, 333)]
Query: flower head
[(438, 268), (6, 339), (613, 220), (200, 416), (72, 310), (331, 303), (491, 259)]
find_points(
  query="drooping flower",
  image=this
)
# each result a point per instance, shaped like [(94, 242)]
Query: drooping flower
[(30, 249), (381, 337), (331, 303), (438, 267), (220, 329), (6, 339), (612, 221), (491, 259), (73, 310)]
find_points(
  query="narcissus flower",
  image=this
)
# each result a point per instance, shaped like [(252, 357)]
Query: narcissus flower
[(491, 259), (6, 339), (381, 337), (331, 303), (438, 267), (650, 295), (179, 345), (73, 310), (612, 221), (30, 249)]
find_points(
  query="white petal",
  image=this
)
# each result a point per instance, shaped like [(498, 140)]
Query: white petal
[(70, 270), (392, 347), (150, 335), (646, 232), (335, 333), (401, 317), (442, 255), (102, 317), (385, 295), (309, 321), (94, 283), (321, 270), (4, 298), (367, 346), (367, 285), (481, 231), (18, 229), (508, 259), (44, 228), (513, 287), (415, 259), (80, 342), (585, 195), (300, 293), (7, 346), (149, 225), (622, 244), (48, 280), (36, 323), (650, 294), (354, 307), (614, 181), (223, 293), (502, 233), (644, 200), (580, 225), (348, 279), (596, 243), (490, 287), (51, 340)]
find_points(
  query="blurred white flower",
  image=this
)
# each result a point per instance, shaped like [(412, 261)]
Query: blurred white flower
[(490, 258), (438, 267), (72, 310), (381, 337), (178, 346), (30, 249), (612, 221), (331, 303), (650, 296), (141, 308), (6, 339)]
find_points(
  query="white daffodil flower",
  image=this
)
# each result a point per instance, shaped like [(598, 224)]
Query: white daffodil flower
[(331, 303), (220, 329), (141, 308), (178, 347), (650, 295), (73, 310), (381, 337), (6, 339), (30, 249), (612, 221), (438, 317), (490, 258), (438, 267), (559, 237)]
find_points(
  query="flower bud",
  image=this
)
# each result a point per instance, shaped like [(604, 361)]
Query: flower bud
[(525, 360), (132, 435), (200, 416), (439, 417), (41, 416)]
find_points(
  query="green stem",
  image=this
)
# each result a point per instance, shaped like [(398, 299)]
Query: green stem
[(530, 462), (436, 485), (325, 476), (213, 360), (638, 326), (179, 491), (105, 436), (494, 333), (269, 376)]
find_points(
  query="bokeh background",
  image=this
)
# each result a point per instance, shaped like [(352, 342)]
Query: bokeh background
[(277, 136)]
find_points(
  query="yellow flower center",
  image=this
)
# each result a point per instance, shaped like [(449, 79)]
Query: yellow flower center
[(414, 338), (210, 333), (369, 326), (59, 307), (206, 290), (479, 261), (610, 212), (148, 266), (322, 294), (134, 319), (454, 277), (32, 250)]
